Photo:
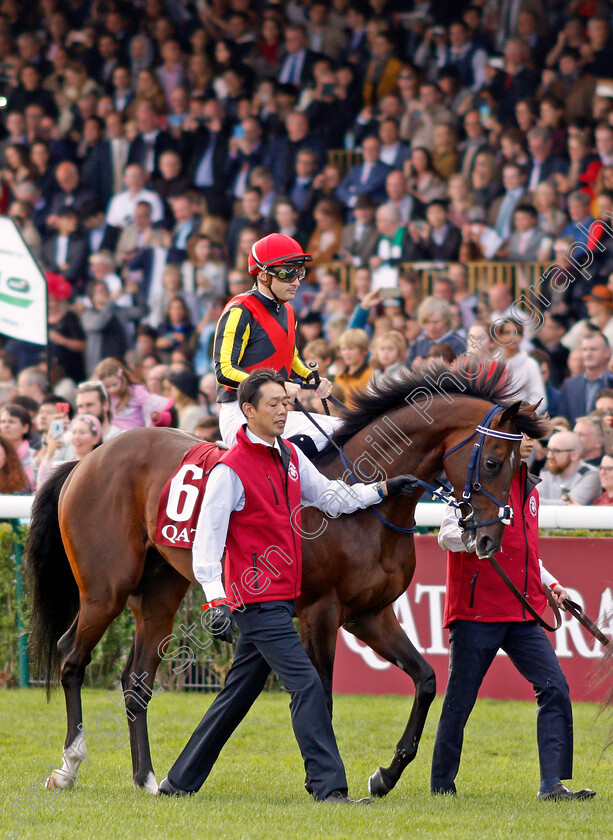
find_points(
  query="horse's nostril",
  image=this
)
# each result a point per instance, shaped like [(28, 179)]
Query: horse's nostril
[(485, 546)]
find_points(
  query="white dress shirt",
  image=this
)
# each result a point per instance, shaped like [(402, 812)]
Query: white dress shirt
[(225, 493)]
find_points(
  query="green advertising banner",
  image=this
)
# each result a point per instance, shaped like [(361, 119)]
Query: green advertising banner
[(23, 289)]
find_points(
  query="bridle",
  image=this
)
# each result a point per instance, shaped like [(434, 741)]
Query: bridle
[(473, 485)]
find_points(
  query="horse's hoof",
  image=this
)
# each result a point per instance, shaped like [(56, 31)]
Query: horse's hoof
[(148, 784), (377, 786), (59, 781)]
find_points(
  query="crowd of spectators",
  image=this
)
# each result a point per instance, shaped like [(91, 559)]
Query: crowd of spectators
[(148, 143)]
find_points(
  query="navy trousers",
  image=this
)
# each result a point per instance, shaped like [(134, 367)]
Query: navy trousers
[(267, 641), (473, 646)]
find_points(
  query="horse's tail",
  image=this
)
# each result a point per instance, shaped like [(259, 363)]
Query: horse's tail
[(53, 590)]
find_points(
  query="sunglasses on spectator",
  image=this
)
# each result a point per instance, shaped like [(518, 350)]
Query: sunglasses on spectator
[(94, 385)]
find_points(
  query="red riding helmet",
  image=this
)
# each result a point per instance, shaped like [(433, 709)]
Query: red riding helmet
[(276, 249)]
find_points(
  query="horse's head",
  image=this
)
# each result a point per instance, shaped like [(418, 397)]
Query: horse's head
[(481, 468)]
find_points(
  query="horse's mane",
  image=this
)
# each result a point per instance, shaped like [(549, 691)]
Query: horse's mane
[(493, 385)]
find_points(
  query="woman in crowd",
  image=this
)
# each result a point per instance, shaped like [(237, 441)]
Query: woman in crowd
[(66, 334), (203, 274), (460, 200), (84, 435), (606, 480), (15, 426), (388, 352), (176, 328), (356, 372), (422, 181), (183, 389), (13, 478), (436, 319), (325, 240), (131, 402), (551, 219)]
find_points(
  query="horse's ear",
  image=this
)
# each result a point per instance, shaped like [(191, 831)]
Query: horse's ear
[(509, 413)]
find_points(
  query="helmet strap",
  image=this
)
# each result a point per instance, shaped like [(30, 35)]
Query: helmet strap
[(268, 286)]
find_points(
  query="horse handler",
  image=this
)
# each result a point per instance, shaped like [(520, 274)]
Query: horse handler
[(485, 617), (251, 504)]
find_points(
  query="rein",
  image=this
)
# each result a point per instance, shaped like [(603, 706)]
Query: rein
[(471, 486)]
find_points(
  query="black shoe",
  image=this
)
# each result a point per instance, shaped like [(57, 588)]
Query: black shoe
[(560, 791), (337, 797), (442, 791), (166, 788)]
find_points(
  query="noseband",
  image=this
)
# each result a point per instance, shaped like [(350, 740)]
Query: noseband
[(473, 485)]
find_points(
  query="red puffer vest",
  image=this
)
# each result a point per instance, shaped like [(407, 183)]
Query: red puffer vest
[(264, 555), (475, 591)]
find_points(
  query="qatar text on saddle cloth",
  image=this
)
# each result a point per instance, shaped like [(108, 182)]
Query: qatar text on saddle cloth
[(182, 496)]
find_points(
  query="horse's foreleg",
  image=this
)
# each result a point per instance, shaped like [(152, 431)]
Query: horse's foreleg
[(382, 632), (154, 608), (75, 649)]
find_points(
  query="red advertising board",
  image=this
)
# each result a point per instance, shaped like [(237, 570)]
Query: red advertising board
[(584, 566)]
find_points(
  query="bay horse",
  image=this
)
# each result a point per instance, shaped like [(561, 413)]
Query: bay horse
[(91, 545)]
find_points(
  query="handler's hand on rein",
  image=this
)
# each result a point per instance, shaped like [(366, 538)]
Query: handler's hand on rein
[(219, 621), (401, 485), (324, 389), (559, 595)]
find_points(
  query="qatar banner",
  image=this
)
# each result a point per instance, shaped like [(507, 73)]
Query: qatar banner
[(584, 566)]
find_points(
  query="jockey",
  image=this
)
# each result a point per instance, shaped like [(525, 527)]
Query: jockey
[(257, 329)]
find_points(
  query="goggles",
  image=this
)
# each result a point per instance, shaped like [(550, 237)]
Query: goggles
[(287, 274)]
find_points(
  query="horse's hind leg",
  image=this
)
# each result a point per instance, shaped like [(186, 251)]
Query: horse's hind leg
[(382, 632), (154, 605), (75, 649)]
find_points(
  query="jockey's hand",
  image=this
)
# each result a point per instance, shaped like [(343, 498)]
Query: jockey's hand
[(292, 389), (220, 622), (324, 389), (559, 594), (401, 485)]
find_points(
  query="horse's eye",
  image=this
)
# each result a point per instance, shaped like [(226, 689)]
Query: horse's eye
[(491, 465)]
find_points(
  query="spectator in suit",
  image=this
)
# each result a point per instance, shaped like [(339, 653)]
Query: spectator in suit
[(323, 37), (597, 54), (122, 89), (393, 151), (137, 237), (262, 178), (70, 191), (297, 64), (151, 141), (476, 141), (359, 239), (186, 223), (500, 212), (250, 217), (207, 149), (543, 163), (528, 243), (578, 394), (397, 193), (604, 142), (16, 128), (301, 189), (286, 218), (66, 252), (589, 430), (567, 479), (437, 239), (285, 150), (105, 334), (367, 177), (356, 50), (548, 339), (580, 217), (105, 169), (245, 153), (100, 236), (120, 212)]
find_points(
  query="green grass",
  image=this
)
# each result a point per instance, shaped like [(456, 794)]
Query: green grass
[(255, 790)]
